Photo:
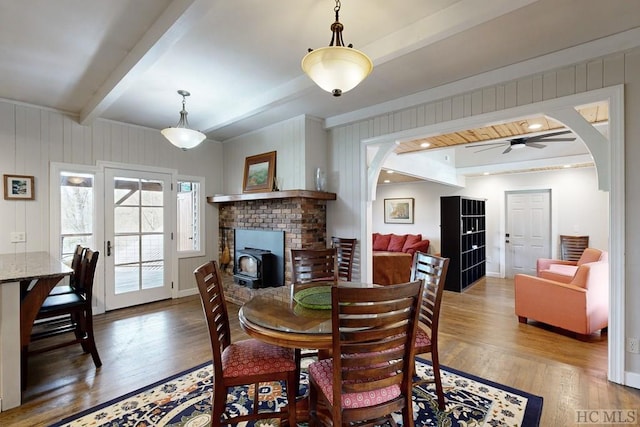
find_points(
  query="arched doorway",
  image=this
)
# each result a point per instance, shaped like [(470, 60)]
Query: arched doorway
[(608, 157)]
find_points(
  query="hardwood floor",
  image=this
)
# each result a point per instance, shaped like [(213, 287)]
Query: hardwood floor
[(480, 335)]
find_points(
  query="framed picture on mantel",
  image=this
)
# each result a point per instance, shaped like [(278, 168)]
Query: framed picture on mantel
[(259, 172)]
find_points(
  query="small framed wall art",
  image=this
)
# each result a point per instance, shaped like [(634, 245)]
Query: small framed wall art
[(398, 211), (259, 172), (18, 187)]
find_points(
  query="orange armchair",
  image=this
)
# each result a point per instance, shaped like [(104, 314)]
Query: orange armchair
[(564, 271), (580, 306)]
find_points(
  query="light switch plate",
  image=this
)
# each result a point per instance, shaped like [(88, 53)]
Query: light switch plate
[(17, 236)]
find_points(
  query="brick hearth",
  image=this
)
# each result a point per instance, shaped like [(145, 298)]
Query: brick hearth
[(238, 294), (303, 219)]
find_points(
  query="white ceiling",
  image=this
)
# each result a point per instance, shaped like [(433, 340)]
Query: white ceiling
[(124, 60)]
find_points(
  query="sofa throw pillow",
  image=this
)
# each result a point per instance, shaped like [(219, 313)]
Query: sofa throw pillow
[(396, 243), (382, 242), (422, 246), (412, 239)]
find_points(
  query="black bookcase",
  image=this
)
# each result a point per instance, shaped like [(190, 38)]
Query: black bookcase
[(463, 237)]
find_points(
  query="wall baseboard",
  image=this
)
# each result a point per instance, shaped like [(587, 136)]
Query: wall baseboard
[(632, 379), (187, 292)]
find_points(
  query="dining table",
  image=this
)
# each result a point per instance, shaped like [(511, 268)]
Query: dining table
[(26, 279), (301, 321), (293, 322)]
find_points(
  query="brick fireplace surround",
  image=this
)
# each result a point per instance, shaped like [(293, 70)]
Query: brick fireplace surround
[(301, 214)]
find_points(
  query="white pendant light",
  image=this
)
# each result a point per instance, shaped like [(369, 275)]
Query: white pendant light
[(336, 68), (181, 136)]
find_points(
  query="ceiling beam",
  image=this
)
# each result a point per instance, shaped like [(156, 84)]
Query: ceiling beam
[(455, 19), (175, 21)]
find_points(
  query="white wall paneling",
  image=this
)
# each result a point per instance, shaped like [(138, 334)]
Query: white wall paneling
[(32, 137)]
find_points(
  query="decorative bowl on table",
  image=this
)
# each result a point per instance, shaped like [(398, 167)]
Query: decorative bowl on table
[(315, 298)]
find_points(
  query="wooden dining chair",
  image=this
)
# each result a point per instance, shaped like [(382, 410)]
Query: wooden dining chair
[(433, 271), (369, 376), (572, 247), (245, 362), (314, 265), (346, 249), (308, 267), (67, 313), (62, 289), (76, 262)]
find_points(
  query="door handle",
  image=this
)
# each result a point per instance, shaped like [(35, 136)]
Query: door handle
[(108, 247)]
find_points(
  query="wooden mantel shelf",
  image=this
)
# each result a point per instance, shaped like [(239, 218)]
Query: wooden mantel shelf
[(286, 194)]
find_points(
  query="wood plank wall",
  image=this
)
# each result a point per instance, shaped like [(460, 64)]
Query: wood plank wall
[(32, 137)]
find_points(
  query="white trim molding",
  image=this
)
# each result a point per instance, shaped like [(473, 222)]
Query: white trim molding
[(609, 163)]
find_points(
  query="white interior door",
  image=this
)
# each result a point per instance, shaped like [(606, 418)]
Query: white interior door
[(528, 230), (138, 237)]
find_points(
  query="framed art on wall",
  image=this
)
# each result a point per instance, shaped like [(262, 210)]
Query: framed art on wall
[(18, 187), (259, 172), (398, 211)]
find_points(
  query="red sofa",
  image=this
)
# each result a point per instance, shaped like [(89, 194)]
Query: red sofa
[(393, 255)]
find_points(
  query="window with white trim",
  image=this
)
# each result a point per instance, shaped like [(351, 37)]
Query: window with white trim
[(77, 207), (190, 227)]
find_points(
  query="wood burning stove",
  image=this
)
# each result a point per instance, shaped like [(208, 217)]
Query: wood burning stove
[(258, 258), (255, 268)]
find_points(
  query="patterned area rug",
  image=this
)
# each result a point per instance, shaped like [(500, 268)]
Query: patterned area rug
[(185, 400)]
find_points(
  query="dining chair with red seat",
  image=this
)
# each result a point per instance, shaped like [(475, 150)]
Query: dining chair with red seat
[(432, 270), (369, 376), (66, 313), (245, 362), (345, 252)]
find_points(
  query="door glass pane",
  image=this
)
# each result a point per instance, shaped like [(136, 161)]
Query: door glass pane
[(126, 192), (127, 219), (127, 278), (127, 249), (152, 219), (152, 274), (152, 247), (152, 193), (127, 197)]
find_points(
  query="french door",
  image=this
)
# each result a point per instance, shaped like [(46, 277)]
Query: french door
[(137, 237)]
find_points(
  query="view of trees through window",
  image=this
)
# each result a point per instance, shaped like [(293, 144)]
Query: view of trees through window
[(138, 217), (76, 213)]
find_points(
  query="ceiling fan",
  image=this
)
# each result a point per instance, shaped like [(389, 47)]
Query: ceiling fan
[(525, 141)]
